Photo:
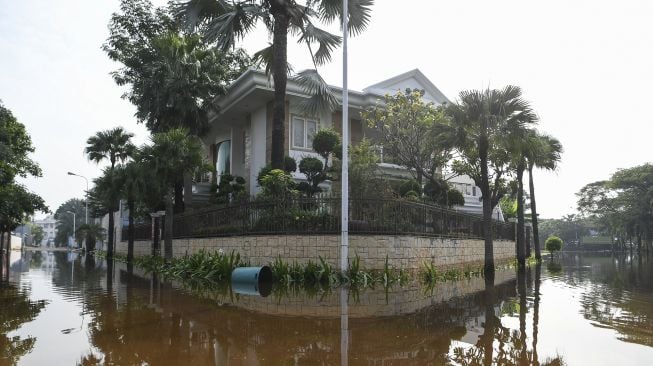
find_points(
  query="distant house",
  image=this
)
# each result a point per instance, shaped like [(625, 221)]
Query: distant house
[(240, 138), (49, 225)]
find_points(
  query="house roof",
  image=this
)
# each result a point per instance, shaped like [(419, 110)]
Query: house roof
[(256, 82), (413, 79)]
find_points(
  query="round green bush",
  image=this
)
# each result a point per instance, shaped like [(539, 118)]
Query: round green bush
[(325, 142), (310, 166), (289, 164), (410, 186), (553, 243)]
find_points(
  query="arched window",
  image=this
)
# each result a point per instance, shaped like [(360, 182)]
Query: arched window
[(223, 161)]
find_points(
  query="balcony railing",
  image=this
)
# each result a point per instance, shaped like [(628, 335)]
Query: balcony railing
[(303, 216)]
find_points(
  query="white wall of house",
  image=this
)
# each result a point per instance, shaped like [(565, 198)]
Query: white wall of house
[(258, 145)]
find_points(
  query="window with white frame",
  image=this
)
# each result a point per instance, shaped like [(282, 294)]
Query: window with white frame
[(303, 130)]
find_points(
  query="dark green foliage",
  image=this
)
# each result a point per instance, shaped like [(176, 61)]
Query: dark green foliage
[(313, 169), (230, 188), (173, 75), (277, 184), (15, 148), (289, 164), (65, 220), (16, 202), (410, 185), (441, 193), (326, 142), (553, 244), (91, 233), (201, 267)]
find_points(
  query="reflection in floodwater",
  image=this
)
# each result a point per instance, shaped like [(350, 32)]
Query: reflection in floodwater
[(129, 317)]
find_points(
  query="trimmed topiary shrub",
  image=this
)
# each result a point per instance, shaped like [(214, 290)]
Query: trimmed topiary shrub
[(553, 244)]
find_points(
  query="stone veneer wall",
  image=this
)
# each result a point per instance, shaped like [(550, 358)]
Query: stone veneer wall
[(403, 251)]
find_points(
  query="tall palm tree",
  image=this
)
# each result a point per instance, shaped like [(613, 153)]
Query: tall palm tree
[(546, 154), (480, 121), (521, 142), (114, 146), (225, 21), (134, 185), (171, 155)]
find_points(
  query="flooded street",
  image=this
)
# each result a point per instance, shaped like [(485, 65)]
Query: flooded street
[(60, 309)]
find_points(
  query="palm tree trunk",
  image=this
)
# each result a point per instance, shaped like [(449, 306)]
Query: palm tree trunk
[(167, 244), (110, 237), (521, 245), (487, 210), (188, 192), (130, 231), (2, 240), (179, 196), (279, 72)]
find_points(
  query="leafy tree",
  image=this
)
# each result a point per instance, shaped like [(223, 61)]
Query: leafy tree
[(326, 143), (508, 206), (480, 122), (115, 146), (64, 225), (277, 184), (15, 147), (37, 234), (545, 154), (16, 205), (409, 131), (553, 244), (91, 233), (224, 22), (16, 202), (171, 155), (173, 76), (134, 179), (313, 169)]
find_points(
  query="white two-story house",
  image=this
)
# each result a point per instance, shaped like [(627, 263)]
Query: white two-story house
[(240, 138)]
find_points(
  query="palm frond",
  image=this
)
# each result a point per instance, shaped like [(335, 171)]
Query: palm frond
[(360, 12), (193, 12), (327, 42), (238, 20), (322, 97), (264, 57)]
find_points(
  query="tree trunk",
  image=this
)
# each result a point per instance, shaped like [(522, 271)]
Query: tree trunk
[(487, 210), (521, 240), (110, 237), (130, 231), (188, 192), (167, 245), (155, 237), (280, 76), (2, 240), (179, 197)]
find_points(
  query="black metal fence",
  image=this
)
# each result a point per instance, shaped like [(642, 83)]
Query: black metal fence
[(322, 216)]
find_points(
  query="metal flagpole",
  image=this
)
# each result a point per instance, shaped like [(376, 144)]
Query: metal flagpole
[(344, 208)]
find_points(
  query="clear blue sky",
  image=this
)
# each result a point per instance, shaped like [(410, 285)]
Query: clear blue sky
[(585, 65)]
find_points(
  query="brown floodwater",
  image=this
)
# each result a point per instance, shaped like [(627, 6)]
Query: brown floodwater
[(60, 309)]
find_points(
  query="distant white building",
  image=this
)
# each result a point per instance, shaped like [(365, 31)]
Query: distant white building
[(49, 226)]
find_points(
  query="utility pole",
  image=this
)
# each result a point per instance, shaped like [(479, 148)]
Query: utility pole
[(344, 208)]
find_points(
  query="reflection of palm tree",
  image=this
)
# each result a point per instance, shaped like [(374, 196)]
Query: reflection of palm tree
[(17, 309), (536, 309)]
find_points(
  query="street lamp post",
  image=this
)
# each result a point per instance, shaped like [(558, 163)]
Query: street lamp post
[(85, 196), (344, 206), (74, 224)]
